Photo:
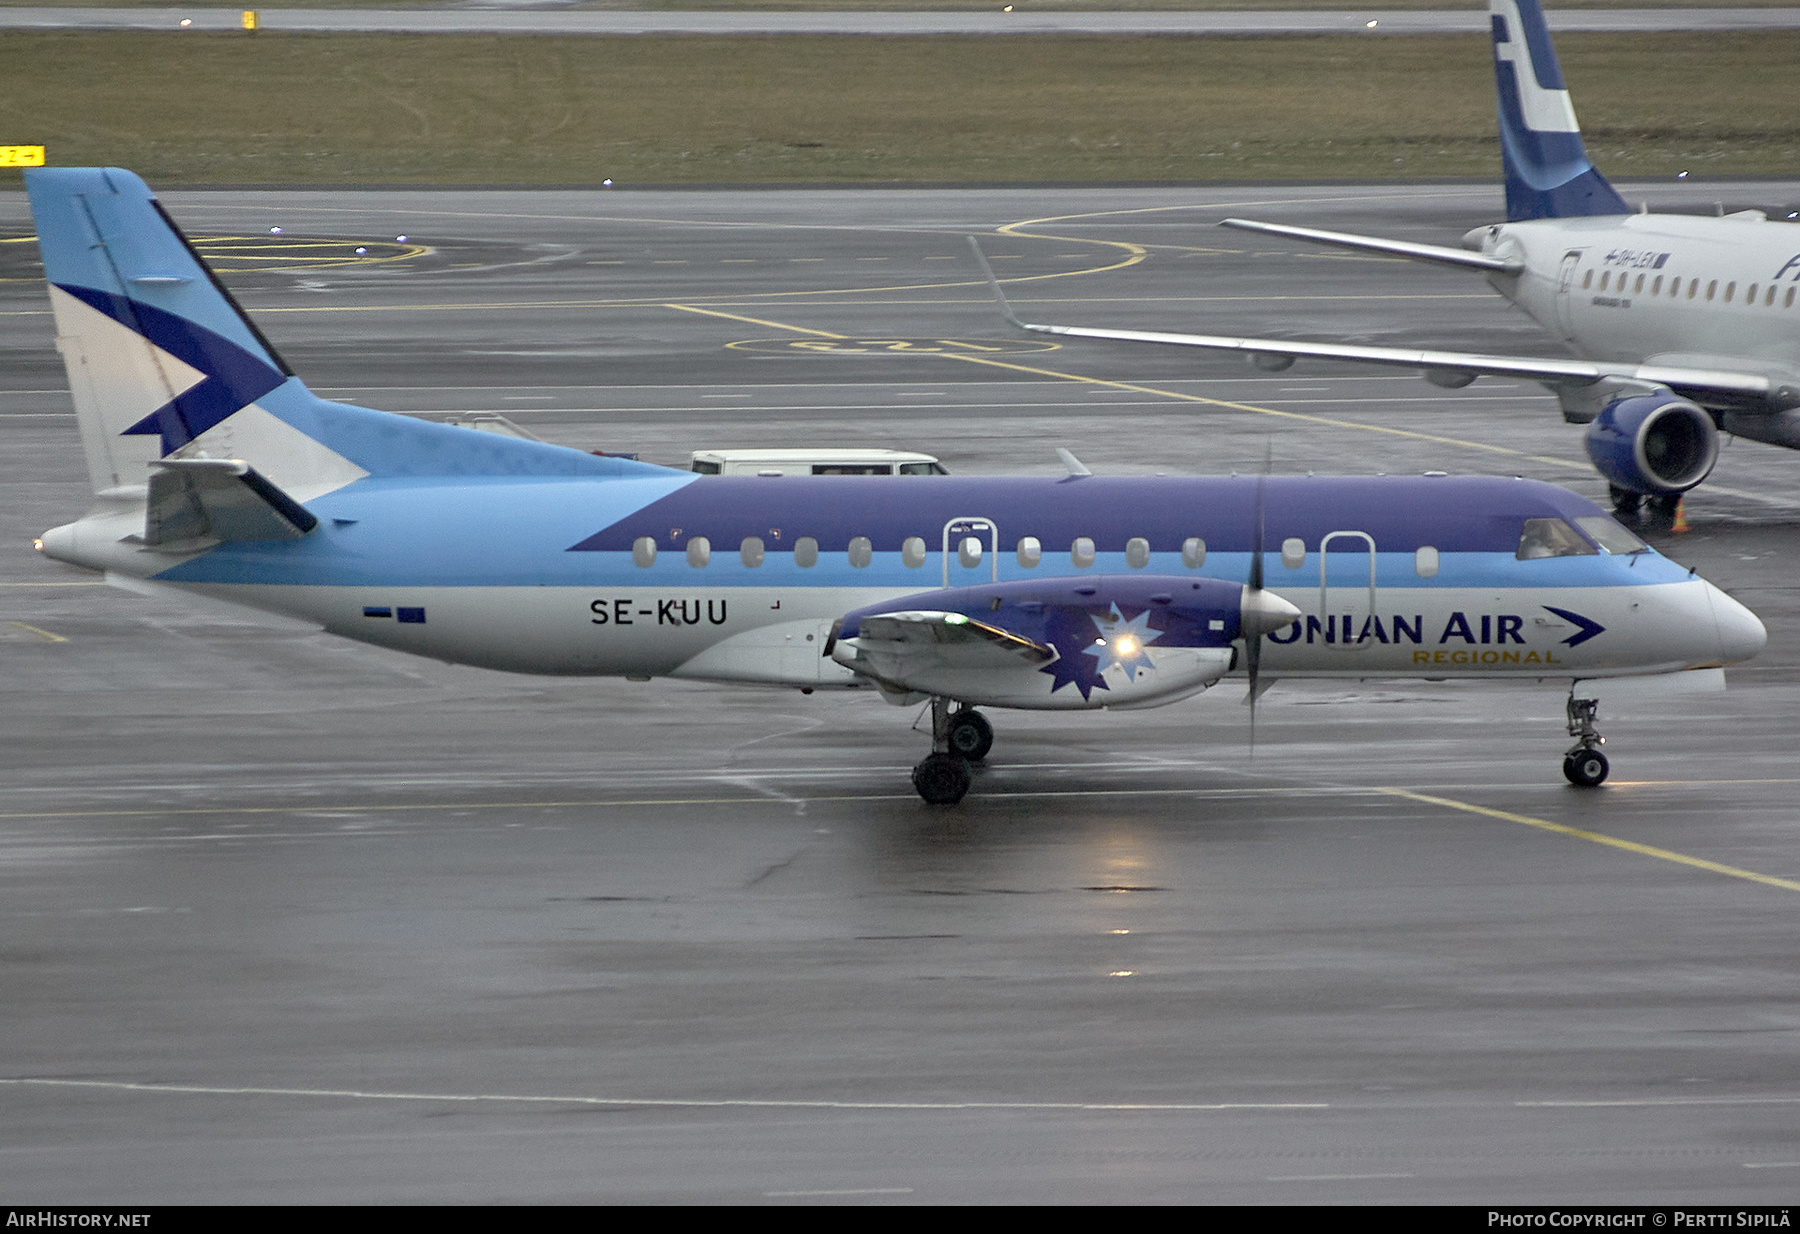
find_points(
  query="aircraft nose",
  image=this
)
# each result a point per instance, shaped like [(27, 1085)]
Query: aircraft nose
[(1741, 633)]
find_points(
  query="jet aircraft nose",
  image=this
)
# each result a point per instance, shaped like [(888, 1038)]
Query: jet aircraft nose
[(1741, 633)]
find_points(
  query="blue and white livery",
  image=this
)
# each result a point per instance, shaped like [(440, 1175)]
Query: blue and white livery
[(1682, 325), (218, 474)]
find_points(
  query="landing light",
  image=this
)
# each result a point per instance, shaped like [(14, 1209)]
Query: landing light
[(1370, 26), (187, 21), (274, 231), (38, 544)]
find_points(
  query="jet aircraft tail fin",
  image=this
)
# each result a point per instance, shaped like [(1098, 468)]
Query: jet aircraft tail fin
[(164, 364), (1548, 173)]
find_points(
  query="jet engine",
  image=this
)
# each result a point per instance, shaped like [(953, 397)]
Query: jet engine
[(1062, 643), (1653, 443)]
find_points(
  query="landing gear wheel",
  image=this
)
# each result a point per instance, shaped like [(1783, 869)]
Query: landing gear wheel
[(1585, 768), (1661, 509), (971, 735), (1625, 502), (942, 779)]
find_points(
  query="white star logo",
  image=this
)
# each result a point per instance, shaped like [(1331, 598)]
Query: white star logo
[(1122, 644)]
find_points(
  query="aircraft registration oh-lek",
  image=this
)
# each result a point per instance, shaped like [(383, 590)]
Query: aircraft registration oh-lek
[(217, 472)]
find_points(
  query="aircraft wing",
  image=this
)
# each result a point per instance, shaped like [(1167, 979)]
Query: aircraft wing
[(1393, 248), (1704, 384)]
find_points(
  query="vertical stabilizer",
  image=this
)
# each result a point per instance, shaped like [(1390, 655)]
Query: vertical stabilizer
[(156, 350), (1548, 173), (164, 365)]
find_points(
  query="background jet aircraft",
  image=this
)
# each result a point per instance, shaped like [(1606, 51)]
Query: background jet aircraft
[(217, 472), (1683, 325)]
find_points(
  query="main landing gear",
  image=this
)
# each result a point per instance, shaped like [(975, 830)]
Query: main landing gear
[(958, 738), (1585, 766)]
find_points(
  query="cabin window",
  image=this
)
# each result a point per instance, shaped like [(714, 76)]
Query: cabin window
[(1193, 552), (750, 552), (643, 551), (1656, 287), (862, 552), (699, 551), (1769, 298), (1081, 553), (912, 552), (1550, 537), (1749, 296), (1693, 286), (1030, 552), (1587, 281), (1605, 279), (1425, 562), (1638, 286), (1610, 535), (1789, 302), (1137, 552), (968, 553), (1712, 289), (1293, 552), (806, 552), (1730, 289)]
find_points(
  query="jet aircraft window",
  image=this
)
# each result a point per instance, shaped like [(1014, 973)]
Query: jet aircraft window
[(1693, 286), (1425, 562), (699, 551), (1729, 289), (643, 551), (1769, 299), (862, 552), (1293, 552), (1193, 552), (1712, 289), (1137, 552), (1638, 286), (1656, 287), (1610, 535), (1605, 279), (1081, 553), (1030, 552), (1551, 537), (806, 552), (1789, 302), (1749, 296), (751, 551), (923, 469), (912, 552), (1588, 281)]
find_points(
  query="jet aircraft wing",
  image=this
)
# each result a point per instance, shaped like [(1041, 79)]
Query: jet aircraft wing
[(1394, 248)]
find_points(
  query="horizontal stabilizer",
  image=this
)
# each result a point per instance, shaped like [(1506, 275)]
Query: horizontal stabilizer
[(196, 501)]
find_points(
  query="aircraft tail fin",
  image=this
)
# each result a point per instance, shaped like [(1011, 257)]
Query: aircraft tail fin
[(1548, 172), (164, 364)]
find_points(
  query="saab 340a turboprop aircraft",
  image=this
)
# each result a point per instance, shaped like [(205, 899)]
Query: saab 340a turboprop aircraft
[(1684, 325), (217, 472)]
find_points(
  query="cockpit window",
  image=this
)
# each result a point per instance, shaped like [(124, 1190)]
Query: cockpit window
[(1551, 537), (1609, 535)]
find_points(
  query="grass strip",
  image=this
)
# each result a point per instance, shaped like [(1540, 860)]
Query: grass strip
[(195, 108)]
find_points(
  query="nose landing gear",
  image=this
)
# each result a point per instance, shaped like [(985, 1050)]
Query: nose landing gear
[(1584, 765), (957, 739)]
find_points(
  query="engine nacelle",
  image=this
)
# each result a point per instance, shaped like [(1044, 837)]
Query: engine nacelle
[(1059, 643), (1653, 443)]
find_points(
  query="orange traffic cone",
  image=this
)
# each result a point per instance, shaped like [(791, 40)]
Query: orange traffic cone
[(1680, 526)]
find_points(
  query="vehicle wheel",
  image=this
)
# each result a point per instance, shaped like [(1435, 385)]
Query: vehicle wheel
[(971, 735), (1586, 768), (1625, 502), (942, 779)]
